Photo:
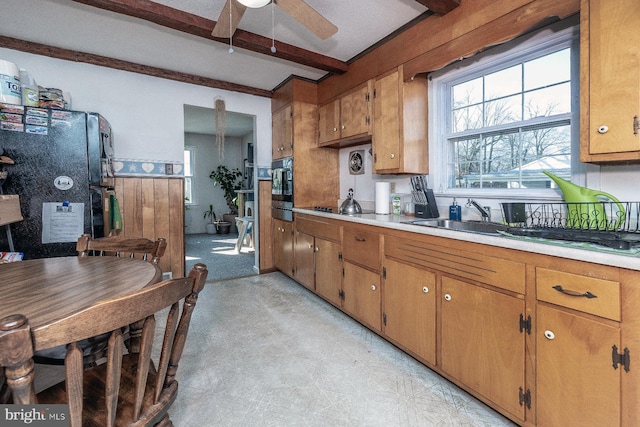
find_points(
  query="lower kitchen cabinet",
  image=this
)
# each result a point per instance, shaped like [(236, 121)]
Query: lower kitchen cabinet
[(576, 382), (361, 295), (482, 345), (577, 334), (328, 259), (304, 255), (283, 246), (543, 340), (409, 314)]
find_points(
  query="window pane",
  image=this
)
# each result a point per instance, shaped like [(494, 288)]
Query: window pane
[(548, 101), (504, 110), (467, 118), (188, 193), (503, 83), (467, 93), (511, 159), (548, 70), (187, 163)]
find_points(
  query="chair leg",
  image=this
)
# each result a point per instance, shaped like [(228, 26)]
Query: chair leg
[(164, 422)]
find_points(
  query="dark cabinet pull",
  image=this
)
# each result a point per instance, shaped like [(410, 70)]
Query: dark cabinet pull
[(360, 239), (574, 293)]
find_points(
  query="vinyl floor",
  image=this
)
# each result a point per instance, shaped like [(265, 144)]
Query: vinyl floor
[(265, 351)]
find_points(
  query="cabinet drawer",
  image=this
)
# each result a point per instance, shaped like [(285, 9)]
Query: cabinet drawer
[(362, 246), (588, 294), (318, 228)]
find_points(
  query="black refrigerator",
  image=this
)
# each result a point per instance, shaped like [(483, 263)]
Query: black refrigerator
[(62, 162)]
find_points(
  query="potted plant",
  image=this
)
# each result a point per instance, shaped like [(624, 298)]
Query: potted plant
[(215, 225), (230, 181), (210, 214)]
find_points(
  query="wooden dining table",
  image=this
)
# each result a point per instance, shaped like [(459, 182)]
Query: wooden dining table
[(48, 289)]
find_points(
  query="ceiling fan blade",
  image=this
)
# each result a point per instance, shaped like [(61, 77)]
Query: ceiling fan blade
[(222, 28), (309, 17)]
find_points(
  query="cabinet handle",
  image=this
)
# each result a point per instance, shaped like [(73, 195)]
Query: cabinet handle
[(603, 129), (310, 246), (425, 289), (393, 156), (549, 335), (373, 287), (360, 239), (343, 127), (335, 129), (447, 297), (574, 293), (636, 125)]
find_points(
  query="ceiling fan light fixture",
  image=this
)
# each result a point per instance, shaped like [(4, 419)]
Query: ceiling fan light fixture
[(254, 3)]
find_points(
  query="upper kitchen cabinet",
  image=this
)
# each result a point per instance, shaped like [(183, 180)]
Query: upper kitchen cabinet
[(347, 119), (282, 133), (610, 81), (295, 122), (400, 142)]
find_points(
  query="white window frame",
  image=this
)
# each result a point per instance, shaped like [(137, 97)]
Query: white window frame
[(547, 40), (191, 177)]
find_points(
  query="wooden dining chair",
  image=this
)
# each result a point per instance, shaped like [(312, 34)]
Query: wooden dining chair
[(133, 247), (130, 388), (120, 246)]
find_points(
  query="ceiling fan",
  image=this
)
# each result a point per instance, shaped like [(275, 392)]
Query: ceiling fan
[(297, 9)]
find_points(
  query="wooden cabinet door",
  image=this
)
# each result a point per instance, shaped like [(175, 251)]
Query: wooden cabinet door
[(576, 382), (304, 248), (355, 117), (283, 246), (386, 123), (481, 342), (362, 300), (282, 133), (613, 76), (328, 122), (410, 309), (399, 137), (328, 270)]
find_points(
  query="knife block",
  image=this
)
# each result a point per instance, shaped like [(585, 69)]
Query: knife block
[(428, 210)]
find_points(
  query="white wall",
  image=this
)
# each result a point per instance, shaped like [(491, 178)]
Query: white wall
[(206, 159), (146, 113)]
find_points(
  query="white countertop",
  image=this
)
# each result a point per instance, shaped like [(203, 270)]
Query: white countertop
[(589, 253)]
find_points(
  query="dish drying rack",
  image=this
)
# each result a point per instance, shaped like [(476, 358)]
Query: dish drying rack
[(611, 224)]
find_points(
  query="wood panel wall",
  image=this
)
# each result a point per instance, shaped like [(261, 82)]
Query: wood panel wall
[(440, 40), (265, 263), (154, 208)]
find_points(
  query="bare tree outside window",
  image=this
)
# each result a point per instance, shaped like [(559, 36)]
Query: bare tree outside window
[(509, 125)]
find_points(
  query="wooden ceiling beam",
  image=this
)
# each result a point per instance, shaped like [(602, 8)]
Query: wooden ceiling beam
[(201, 27), (440, 7), (103, 61)]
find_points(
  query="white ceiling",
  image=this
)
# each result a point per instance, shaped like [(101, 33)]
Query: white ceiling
[(72, 25)]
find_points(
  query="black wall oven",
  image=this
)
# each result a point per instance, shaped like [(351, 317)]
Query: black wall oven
[(282, 189)]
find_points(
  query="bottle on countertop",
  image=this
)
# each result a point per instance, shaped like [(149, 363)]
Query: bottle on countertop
[(455, 211)]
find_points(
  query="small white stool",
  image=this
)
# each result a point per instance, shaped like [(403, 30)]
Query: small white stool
[(243, 223)]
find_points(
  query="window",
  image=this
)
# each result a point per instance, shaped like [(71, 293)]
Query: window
[(505, 116), (189, 155)]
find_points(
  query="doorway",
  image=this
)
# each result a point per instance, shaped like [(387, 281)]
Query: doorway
[(202, 156)]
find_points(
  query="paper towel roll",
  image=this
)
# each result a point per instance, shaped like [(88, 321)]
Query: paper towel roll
[(383, 197)]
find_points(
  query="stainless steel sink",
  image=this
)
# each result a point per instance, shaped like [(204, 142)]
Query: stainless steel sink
[(469, 226)]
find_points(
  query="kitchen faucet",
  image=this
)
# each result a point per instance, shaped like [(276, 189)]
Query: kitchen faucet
[(484, 211)]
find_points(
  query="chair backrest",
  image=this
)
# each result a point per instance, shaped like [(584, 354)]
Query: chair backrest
[(130, 387), (133, 247)]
